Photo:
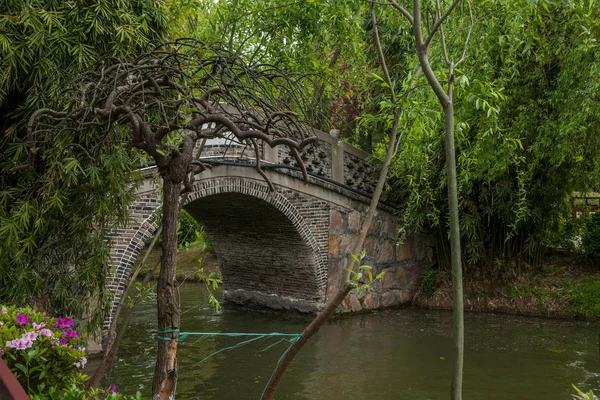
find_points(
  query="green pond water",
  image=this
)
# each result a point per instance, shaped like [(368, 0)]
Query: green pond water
[(395, 354)]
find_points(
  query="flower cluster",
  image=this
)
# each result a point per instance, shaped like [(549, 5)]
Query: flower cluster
[(49, 348)]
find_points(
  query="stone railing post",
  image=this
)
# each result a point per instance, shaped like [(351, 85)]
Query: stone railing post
[(337, 159)]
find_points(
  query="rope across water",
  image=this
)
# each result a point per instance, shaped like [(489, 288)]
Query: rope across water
[(291, 338)]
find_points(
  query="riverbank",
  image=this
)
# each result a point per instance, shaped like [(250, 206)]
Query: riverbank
[(566, 286)]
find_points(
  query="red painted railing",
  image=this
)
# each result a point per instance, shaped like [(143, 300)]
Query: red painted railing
[(10, 388)]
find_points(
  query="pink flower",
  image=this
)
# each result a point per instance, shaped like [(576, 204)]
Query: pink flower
[(70, 334), (37, 327), (112, 389), (46, 332), (63, 340), (81, 349), (30, 336), (1, 351), (19, 344), (4, 310), (62, 323), (23, 319)]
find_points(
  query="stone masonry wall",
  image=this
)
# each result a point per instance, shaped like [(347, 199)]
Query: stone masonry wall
[(402, 264)]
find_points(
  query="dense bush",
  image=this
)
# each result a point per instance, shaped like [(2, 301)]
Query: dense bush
[(591, 239), (43, 353)]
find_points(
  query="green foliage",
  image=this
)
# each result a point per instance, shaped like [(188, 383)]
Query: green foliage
[(41, 352), (585, 298), (76, 393), (363, 278), (527, 131), (591, 238), (188, 230), (583, 396), (212, 281), (429, 280), (54, 216)]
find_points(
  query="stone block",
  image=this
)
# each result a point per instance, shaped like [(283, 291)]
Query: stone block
[(333, 246), (371, 301), (386, 252), (371, 246), (390, 298), (388, 280), (404, 251), (344, 245), (406, 296), (354, 221), (336, 221), (351, 303)]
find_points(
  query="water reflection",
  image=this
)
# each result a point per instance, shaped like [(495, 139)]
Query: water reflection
[(386, 355)]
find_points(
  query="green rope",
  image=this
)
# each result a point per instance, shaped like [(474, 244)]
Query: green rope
[(293, 338)]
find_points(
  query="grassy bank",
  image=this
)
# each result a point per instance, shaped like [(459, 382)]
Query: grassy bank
[(566, 286), (191, 259)]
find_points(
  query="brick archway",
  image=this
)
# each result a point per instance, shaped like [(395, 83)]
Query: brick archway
[(289, 274)]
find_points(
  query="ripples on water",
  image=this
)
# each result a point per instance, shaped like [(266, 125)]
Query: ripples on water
[(396, 354)]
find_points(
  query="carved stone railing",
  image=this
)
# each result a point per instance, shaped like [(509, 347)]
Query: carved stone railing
[(328, 158)]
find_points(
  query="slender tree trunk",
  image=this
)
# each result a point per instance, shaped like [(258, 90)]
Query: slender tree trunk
[(345, 286), (455, 254), (165, 374)]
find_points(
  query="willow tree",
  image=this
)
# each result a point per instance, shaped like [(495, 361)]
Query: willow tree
[(166, 103)]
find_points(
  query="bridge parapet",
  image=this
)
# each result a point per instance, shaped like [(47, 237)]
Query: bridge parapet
[(328, 158)]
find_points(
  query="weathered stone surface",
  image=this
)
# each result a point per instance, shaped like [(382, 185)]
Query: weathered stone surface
[(406, 296), (352, 304), (336, 222), (388, 280), (386, 251), (371, 301), (371, 246), (344, 245), (333, 246), (353, 221), (390, 298), (404, 251)]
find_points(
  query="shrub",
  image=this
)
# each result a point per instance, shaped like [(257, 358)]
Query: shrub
[(42, 352), (75, 393), (591, 239), (429, 281)]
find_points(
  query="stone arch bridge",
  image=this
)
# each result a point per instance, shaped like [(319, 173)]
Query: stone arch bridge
[(282, 249)]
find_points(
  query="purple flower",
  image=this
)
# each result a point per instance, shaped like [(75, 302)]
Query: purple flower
[(63, 323), (46, 332), (23, 319), (37, 327), (1, 351), (63, 340), (70, 334), (112, 389)]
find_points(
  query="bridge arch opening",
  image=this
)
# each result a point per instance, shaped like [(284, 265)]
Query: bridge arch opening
[(265, 259)]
